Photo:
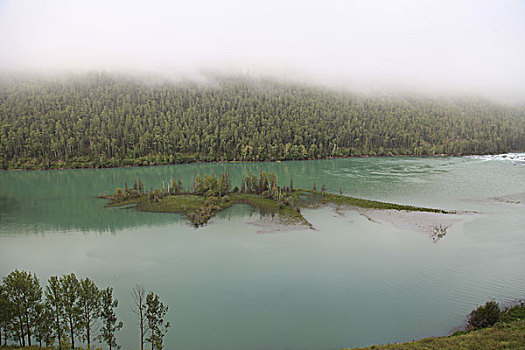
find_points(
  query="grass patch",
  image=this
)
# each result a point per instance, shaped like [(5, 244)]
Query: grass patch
[(310, 198), (287, 214), (173, 204), (500, 336), (199, 209)]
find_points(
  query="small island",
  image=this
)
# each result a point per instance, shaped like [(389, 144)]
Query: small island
[(211, 194)]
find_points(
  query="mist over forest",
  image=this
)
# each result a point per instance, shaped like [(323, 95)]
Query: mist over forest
[(472, 48)]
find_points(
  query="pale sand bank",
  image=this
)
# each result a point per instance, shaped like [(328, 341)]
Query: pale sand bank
[(269, 224), (435, 225)]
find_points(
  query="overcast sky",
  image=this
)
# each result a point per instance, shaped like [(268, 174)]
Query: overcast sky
[(444, 45)]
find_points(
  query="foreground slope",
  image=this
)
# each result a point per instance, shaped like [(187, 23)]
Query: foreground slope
[(501, 336)]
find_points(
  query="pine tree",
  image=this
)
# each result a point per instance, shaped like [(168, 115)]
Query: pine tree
[(141, 186), (69, 287), (180, 188), (54, 303), (24, 293), (227, 176), (157, 327), (243, 185), (44, 326), (110, 324), (6, 315), (89, 305)]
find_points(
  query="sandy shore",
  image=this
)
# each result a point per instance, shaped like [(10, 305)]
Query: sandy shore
[(269, 224), (512, 199), (435, 225)]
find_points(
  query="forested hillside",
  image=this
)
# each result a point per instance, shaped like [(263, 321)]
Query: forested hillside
[(102, 120)]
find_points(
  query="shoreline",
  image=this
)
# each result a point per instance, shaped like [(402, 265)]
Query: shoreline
[(502, 335), (257, 161)]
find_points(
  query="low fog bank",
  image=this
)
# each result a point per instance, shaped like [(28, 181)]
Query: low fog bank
[(264, 79), (462, 47)]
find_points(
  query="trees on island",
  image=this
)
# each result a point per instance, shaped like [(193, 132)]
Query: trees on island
[(210, 185), (215, 192), (100, 120), (266, 184), (68, 309), (211, 194)]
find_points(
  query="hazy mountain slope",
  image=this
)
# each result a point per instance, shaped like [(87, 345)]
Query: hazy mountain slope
[(105, 120)]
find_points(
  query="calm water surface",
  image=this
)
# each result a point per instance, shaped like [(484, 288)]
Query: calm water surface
[(350, 282)]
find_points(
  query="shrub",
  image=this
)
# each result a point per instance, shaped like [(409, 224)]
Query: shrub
[(516, 312), (484, 316)]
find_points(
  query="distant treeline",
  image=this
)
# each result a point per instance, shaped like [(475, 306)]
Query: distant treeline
[(69, 310), (101, 120)]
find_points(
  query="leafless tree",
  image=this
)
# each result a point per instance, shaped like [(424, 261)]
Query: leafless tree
[(139, 298)]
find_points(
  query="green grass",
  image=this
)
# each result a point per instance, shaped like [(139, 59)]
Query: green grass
[(173, 204), (500, 336), (199, 209), (340, 200), (287, 214)]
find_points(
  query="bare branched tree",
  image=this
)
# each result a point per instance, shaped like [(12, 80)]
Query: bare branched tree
[(139, 298)]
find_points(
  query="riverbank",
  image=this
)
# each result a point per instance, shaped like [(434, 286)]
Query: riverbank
[(145, 162), (488, 327), (500, 336)]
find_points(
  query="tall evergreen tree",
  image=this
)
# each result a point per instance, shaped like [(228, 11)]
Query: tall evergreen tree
[(25, 294), (110, 324), (89, 305), (157, 326), (70, 287), (6, 315), (44, 326), (55, 304)]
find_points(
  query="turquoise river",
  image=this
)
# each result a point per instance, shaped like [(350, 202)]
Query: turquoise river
[(244, 282)]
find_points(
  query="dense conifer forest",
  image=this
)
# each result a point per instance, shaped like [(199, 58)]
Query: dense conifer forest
[(104, 120)]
